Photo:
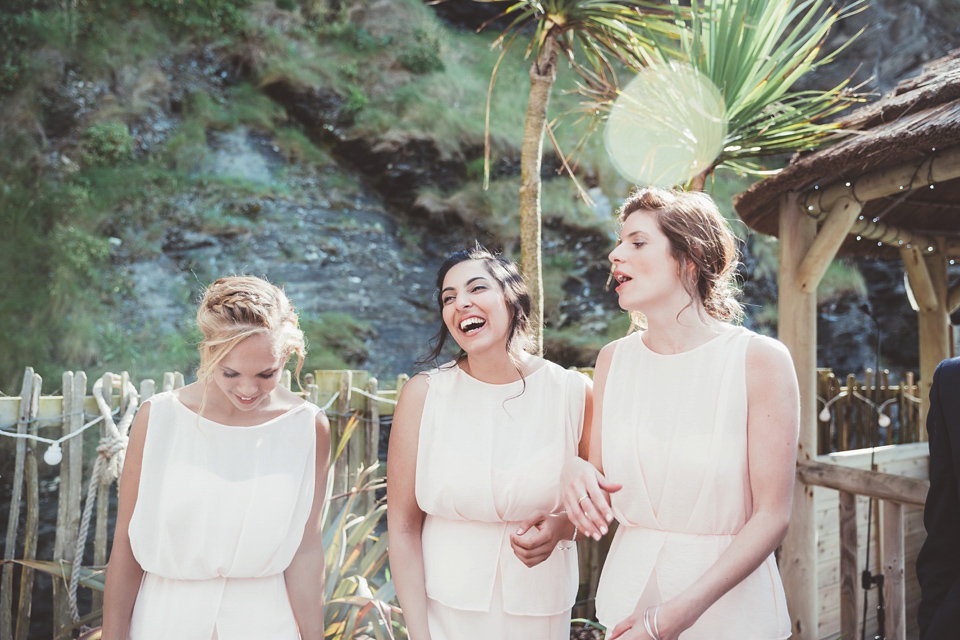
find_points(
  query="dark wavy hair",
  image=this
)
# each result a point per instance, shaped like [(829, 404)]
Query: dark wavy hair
[(698, 235), (507, 276)]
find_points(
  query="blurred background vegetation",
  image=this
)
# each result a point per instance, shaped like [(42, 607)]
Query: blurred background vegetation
[(109, 111)]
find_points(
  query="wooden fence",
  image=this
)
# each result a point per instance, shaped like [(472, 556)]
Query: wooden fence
[(354, 404), (844, 484), (856, 414), (851, 409)]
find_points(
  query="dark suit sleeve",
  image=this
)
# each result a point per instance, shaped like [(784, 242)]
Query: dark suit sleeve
[(938, 564)]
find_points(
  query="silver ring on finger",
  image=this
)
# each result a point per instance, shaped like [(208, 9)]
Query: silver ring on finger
[(582, 498)]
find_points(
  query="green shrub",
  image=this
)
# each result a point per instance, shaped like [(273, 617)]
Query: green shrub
[(106, 144), (421, 53), (202, 18)]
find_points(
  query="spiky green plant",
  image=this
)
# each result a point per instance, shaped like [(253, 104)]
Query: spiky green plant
[(359, 599), (754, 51)]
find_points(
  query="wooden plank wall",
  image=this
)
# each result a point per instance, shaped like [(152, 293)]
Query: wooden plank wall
[(909, 460)]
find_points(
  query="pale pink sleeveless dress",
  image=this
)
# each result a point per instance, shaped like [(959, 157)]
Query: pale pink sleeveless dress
[(219, 516), (674, 434), (489, 456)]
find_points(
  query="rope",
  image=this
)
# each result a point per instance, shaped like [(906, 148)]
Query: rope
[(372, 397), (27, 436), (106, 469)]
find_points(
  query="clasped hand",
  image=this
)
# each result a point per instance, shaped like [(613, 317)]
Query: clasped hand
[(586, 497), (537, 538)]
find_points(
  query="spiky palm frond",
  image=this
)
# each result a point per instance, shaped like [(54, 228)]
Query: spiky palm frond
[(754, 51)]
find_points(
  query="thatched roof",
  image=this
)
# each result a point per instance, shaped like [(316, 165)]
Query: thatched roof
[(920, 118)]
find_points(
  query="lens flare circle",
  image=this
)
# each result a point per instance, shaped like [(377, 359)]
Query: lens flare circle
[(666, 126)]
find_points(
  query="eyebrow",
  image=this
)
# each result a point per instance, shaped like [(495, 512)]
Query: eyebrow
[(229, 370), (634, 234), (469, 282)]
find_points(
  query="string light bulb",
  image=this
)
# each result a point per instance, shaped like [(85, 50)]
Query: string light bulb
[(53, 455)]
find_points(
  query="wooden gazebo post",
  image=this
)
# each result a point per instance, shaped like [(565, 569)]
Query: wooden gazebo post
[(797, 329)]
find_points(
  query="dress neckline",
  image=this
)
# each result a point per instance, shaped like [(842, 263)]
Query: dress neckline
[(729, 331), (502, 385), (179, 402)]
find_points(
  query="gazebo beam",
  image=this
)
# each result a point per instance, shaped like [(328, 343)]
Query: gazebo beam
[(824, 248), (953, 298), (936, 167), (920, 282)]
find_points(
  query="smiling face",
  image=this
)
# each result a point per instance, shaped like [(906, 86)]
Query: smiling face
[(249, 372), (475, 310), (647, 273)]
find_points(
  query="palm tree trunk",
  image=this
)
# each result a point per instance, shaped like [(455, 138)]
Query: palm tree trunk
[(699, 181), (543, 74)]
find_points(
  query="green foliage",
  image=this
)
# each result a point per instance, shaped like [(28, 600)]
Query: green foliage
[(360, 599), (24, 28), (106, 144), (558, 267), (841, 277), (421, 52), (299, 149), (335, 340), (203, 18), (754, 51)]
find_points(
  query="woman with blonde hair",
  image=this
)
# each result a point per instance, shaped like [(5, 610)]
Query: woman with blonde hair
[(478, 546), (218, 522), (694, 442)]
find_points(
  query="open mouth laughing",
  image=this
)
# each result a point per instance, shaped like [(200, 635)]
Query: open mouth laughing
[(471, 325)]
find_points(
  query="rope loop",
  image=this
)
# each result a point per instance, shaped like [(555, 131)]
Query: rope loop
[(106, 468)]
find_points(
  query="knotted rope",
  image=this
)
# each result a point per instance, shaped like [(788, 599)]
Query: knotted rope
[(106, 469)]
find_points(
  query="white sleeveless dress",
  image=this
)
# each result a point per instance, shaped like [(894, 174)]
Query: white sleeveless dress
[(674, 434), (219, 516), (490, 456)]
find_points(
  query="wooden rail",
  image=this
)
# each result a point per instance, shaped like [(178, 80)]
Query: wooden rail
[(894, 492)]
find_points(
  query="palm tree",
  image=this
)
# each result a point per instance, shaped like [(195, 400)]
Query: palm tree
[(752, 50), (602, 33)]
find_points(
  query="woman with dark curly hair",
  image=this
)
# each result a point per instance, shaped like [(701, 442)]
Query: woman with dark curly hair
[(476, 452), (695, 439)]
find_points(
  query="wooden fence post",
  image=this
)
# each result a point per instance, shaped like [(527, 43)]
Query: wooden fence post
[(893, 549), (71, 479), (916, 429), (147, 388), (372, 452), (341, 476), (32, 402), (312, 391), (13, 521), (849, 584)]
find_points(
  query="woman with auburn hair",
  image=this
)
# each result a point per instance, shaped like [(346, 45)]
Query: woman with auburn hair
[(473, 473), (694, 442), (218, 521)]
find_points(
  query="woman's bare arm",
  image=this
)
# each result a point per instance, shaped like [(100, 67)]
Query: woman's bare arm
[(123, 571), (404, 516), (305, 575)]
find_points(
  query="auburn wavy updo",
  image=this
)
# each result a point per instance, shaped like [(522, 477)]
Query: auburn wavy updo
[(237, 307), (698, 235)]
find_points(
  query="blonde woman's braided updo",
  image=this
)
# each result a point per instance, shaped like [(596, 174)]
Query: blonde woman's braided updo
[(237, 307)]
